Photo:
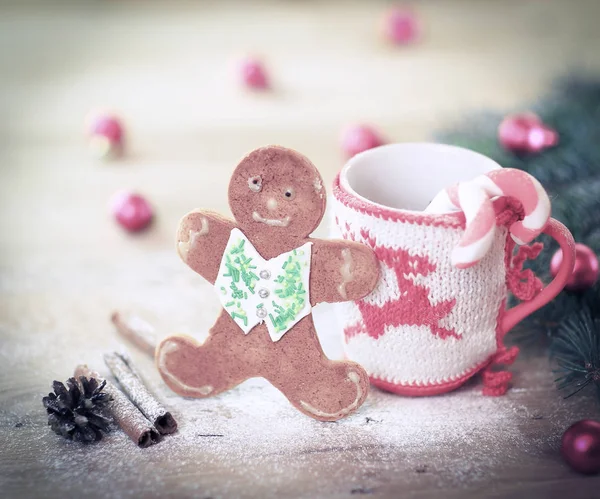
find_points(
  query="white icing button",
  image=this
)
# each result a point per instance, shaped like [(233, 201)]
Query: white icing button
[(264, 274), (261, 313), (263, 293)]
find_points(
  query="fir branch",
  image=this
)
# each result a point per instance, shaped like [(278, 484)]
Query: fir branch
[(570, 172), (576, 350)]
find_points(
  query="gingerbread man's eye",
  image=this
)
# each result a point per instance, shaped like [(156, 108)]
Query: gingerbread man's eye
[(289, 193), (255, 183)]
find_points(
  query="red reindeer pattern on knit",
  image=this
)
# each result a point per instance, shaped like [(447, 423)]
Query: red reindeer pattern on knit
[(417, 310), (412, 307)]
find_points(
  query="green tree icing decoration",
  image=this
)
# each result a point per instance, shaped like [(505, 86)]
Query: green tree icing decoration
[(291, 292), (240, 271)]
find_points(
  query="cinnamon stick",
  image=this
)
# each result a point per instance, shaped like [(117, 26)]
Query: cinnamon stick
[(124, 413), (136, 330), (132, 385)]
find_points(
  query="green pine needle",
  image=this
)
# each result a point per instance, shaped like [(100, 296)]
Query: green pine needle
[(576, 350)]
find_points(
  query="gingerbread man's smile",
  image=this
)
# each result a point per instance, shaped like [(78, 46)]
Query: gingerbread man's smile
[(273, 222)]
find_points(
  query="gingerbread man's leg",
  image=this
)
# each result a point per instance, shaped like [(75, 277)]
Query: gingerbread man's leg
[(319, 387), (192, 369)]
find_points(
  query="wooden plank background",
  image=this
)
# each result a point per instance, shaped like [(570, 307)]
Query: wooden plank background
[(166, 67)]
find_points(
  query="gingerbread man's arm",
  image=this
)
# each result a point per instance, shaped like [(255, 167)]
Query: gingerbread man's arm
[(341, 271), (201, 240)]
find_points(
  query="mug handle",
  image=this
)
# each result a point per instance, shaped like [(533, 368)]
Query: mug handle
[(563, 237)]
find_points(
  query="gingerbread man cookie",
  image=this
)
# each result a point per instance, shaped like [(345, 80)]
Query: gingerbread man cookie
[(268, 274)]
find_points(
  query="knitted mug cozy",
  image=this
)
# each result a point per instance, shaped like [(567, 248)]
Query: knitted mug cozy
[(429, 326)]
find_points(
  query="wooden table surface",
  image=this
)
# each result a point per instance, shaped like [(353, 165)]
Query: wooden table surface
[(166, 67)]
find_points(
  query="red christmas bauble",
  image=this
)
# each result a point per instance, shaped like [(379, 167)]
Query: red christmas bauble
[(254, 74), (132, 211), (105, 134), (107, 126), (401, 26), (359, 138), (586, 270), (580, 446), (526, 133)]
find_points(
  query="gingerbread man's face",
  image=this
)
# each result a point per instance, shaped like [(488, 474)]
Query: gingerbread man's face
[(278, 192)]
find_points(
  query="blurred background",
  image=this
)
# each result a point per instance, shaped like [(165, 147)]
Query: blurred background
[(169, 71)]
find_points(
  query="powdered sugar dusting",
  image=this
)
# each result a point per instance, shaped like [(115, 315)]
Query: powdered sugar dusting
[(249, 442)]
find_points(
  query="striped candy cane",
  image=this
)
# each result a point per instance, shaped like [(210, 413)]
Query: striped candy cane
[(474, 199)]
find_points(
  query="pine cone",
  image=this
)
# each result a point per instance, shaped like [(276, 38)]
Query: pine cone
[(79, 411)]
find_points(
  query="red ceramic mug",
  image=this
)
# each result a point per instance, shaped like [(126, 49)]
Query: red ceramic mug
[(429, 326)]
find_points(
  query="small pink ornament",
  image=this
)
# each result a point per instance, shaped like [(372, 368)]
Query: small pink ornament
[(526, 133), (586, 271), (401, 26), (105, 135), (131, 210), (359, 138), (580, 446), (254, 74)]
